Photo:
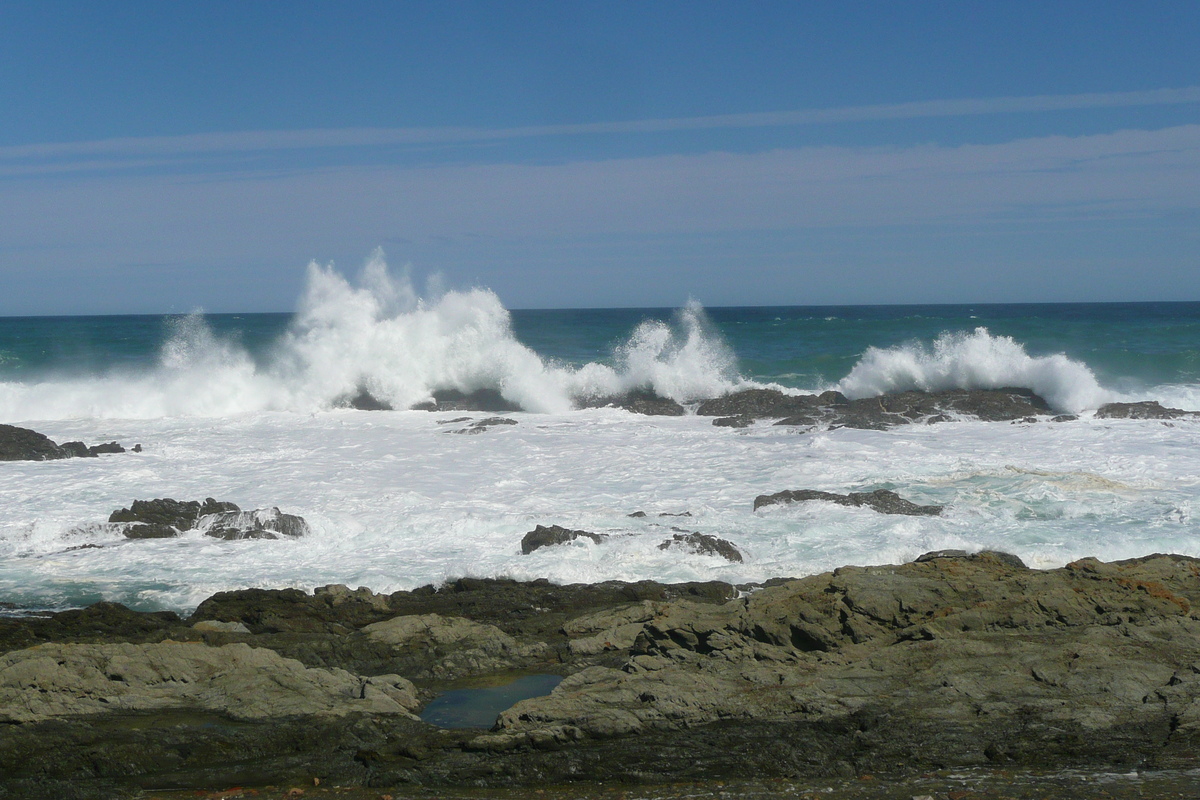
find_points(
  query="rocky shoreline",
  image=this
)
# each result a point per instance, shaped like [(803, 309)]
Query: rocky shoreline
[(954, 661)]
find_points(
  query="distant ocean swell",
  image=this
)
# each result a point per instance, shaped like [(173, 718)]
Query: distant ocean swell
[(379, 336)]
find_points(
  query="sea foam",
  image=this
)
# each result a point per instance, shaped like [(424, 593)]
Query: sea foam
[(975, 360), (379, 335)]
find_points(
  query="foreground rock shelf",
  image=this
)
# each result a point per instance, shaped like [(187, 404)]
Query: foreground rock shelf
[(957, 660)]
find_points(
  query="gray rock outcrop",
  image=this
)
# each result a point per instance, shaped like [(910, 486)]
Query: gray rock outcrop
[(884, 501), (548, 535), (165, 518)]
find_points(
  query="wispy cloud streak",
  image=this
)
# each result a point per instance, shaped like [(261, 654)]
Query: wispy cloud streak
[(23, 159)]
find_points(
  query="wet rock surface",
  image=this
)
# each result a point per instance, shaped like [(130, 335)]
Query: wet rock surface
[(833, 410), (703, 544), (164, 518), (480, 400), (23, 444), (956, 661), (1149, 409), (884, 501), (637, 402), (550, 535)]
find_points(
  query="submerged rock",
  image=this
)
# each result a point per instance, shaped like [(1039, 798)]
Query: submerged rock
[(882, 500), (482, 425), (545, 536), (703, 544)]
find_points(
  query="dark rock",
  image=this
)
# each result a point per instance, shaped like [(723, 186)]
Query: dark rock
[(703, 544), (1148, 409), (77, 450), (180, 515), (1064, 418), (22, 444), (639, 401), (544, 536), (365, 401), (797, 421), (882, 500), (638, 514), (479, 400), (759, 404), (734, 422), (833, 410), (137, 448), (954, 663), (258, 524), (165, 517)]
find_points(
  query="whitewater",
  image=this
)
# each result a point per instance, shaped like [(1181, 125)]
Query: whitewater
[(397, 499)]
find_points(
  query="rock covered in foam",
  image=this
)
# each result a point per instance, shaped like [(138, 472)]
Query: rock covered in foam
[(702, 544), (165, 518), (547, 535)]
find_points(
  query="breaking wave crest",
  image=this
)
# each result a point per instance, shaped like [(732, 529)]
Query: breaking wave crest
[(976, 360), (379, 336)]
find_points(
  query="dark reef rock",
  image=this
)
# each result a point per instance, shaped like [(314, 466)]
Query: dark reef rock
[(363, 400), (832, 410), (165, 518), (488, 400), (882, 500), (703, 544), (955, 661), (1007, 559), (23, 444), (1148, 409), (640, 401), (270, 523), (482, 425), (545, 536), (741, 421)]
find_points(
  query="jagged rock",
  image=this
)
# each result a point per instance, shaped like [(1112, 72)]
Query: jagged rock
[(741, 421), (165, 517), (1148, 409), (270, 523), (832, 409), (479, 400), (957, 661), (544, 536), (23, 444), (639, 401), (703, 544), (882, 500)]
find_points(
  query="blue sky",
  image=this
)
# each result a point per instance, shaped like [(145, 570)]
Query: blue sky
[(159, 157)]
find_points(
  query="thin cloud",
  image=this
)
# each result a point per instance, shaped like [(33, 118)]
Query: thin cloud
[(51, 156)]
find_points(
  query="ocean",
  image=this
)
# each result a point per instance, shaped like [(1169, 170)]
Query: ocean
[(251, 408)]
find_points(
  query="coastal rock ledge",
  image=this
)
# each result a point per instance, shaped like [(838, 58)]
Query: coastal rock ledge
[(954, 660)]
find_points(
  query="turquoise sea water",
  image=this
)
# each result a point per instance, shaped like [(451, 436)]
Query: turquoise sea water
[(1130, 347)]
